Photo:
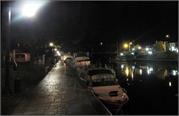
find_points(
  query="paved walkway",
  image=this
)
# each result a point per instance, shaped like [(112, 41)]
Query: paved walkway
[(59, 93)]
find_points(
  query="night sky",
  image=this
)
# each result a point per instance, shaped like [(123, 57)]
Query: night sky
[(83, 25)]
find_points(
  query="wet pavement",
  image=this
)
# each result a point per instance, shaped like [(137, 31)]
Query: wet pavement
[(60, 92)]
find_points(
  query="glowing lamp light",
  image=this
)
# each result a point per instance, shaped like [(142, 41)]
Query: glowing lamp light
[(55, 49), (121, 54), (122, 66), (167, 36), (147, 49), (101, 43), (149, 70), (150, 52), (30, 8), (173, 48), (139, 47), (133, 67), (51, 44), (174, 72), (125, 45), (170, 84), (127, 79)]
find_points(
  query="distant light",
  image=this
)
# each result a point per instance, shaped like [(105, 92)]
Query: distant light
[(174, 72), (101, 43), (173, 48), (9, 15), (55, 49), (149, 70), (130, 43), (170, 84), (133, 49), (122, 66), (147, 49), (139, 47), (121, 54), (133, 67), (132, 53), (51, 44), (167, 36), (150, 52), (125, 45)]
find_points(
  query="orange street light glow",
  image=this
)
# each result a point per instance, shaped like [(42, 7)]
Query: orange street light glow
[(125, 45)]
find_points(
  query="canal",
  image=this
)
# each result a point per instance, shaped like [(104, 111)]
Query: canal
[(152, 87)]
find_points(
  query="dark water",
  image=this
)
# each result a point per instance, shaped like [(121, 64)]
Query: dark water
[(152, 87)]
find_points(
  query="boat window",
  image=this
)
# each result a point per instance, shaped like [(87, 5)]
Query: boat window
[(103, 80)]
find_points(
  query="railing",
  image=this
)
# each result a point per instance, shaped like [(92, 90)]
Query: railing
[(104, 108)]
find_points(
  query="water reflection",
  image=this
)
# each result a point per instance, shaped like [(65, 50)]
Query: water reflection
[(134, 70), (156, 81), (127, 71), (174, 72), (140, 71), (170, 84)]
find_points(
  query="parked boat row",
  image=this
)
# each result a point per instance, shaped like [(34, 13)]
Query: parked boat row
[(101, 81)]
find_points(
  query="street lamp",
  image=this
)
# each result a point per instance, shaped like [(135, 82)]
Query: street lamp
[(147, 49), (121, 54), (167, 36), (101, 43), (125, 45), (139, 47), (25, 9), (30, 8), (51, 44), (55, 49)]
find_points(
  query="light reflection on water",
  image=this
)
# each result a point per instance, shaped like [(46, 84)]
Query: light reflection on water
[(145, 79), (132, 71)]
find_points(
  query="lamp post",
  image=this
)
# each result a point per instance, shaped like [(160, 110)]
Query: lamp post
[(28, 9), (7, 55)]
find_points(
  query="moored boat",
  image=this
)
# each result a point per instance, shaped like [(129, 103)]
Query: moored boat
[(104, 84)]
